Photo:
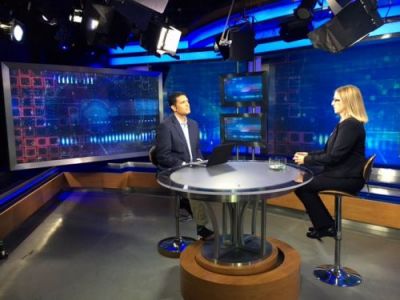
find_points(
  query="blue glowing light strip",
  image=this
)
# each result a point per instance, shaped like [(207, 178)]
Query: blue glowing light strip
[(281, 45), (146, 59), (18, 191), (136, 48), (267, 14), (217, 27), (388, 28)]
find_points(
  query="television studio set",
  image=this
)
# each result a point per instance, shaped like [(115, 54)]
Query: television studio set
[(171, 149)]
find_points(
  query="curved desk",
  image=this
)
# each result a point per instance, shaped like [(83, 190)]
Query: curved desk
[(220, 269), (236, 183), (237, 265)]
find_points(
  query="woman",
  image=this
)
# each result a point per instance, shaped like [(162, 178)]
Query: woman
[(342, 160)]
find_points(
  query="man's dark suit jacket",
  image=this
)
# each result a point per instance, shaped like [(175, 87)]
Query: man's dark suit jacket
[(171, 146), (344, 153)]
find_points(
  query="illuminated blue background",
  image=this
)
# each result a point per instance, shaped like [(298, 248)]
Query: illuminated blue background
[(245, 129), (301, 85), (243, 88)]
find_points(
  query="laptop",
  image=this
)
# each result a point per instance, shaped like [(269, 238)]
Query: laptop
[(219, 155)]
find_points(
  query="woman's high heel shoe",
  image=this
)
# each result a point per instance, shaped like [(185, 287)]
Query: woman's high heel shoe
[(320, 233)]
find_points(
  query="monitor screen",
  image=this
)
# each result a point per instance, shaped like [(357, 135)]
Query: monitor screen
[(58, 115), (243, 89), (244, 129)]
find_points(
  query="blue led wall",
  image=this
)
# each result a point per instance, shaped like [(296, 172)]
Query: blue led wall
[(59, 115), (301, 86), (301, 115)]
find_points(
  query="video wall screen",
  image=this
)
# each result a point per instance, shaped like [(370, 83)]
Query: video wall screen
[(243, 129), (244, 89), (58, 115)]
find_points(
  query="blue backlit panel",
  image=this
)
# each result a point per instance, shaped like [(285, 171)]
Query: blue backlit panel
[(300, 90), (243, 129), (59, 115), (301, 116), (243, 89)]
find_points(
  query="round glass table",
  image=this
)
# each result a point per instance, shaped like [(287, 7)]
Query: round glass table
[(235, 184)]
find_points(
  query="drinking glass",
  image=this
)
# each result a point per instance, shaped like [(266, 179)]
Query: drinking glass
[(277, 163)]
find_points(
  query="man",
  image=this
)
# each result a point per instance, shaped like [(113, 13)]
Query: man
[(178, 143)]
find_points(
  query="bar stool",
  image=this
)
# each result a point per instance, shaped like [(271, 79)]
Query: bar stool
[(336, 274), (172, 246)]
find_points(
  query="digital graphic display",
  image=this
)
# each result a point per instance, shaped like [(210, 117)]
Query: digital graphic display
[(59, 115), (243, 129), (243, 89)]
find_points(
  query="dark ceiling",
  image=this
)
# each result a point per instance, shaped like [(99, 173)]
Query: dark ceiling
[(51, 36)]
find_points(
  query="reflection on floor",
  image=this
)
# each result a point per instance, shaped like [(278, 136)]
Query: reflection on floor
[(102, 245)]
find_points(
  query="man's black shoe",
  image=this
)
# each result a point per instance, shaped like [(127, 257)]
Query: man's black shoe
[(204, 233)]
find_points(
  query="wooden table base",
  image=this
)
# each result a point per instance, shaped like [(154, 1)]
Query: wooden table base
[(276, 278)]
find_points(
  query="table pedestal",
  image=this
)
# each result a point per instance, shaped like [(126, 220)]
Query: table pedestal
[(276, 277)]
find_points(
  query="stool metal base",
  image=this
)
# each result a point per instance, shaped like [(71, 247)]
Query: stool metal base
[(3, 251), (337, 276), (174, 246)]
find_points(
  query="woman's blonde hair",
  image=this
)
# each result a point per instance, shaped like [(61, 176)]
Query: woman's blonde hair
[(353, 102)]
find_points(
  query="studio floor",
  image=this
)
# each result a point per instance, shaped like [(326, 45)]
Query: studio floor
[(102, 244)]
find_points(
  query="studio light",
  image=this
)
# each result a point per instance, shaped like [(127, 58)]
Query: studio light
[(76, 16), (222, 46), (49, 20), (238, 43), (160, 39), (105, 26), (350, 25), (305, 10), (294, 29), (168, 40), (14, 29), (299, 25), (93, 24)]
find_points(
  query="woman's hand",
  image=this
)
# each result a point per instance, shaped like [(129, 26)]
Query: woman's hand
[(299, 157), (299, 178)]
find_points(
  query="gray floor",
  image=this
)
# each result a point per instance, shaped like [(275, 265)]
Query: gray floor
[(102, 245)]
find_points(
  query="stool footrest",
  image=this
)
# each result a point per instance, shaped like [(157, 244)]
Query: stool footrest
[(174, 246), (337, 276)]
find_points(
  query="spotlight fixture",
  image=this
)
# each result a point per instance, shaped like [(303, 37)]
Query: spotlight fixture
[(50, 21), (294, 29), (93, 24), (76, 16), (238, 43), (168, 41), (298, 26), (104, 25), (305, 10), (14, 29), (350, 25), (223, 42), (160, 39)]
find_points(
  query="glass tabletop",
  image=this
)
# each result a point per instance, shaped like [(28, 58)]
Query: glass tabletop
[(235, 178)]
